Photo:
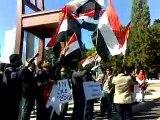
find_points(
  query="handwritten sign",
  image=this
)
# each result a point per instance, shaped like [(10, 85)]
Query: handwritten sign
[(64, 93), (92, 90), (60, 94), (52, 101)]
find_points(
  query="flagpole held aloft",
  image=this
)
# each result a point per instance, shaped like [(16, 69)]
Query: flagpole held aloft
[(96, 37)]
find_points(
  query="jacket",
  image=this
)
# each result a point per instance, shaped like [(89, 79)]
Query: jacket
[(29, 84), (122, 93)]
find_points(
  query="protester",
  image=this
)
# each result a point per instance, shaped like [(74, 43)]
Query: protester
[(87, 76), (55, 73), (29, 91), (134, 87), (141, 78), (65, 74), (12, 88), (122, 95), (44, 84), (63, 106), (78, 93), (108, 91), (101, 79), (2, 65)]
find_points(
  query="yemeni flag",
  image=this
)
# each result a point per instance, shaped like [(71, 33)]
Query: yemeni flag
[(108, 39), (124, 38), (87, 20), (87, 12), (81, 6), (72, 50), (75, 4), (90, 5), (89, 60), (66, 27), (71, 45), (62, 28)]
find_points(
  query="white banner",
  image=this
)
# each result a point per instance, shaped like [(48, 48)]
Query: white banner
[(60, 94), (92, 90), (64, 93)]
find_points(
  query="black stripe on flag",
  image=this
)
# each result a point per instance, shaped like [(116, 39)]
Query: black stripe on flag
[(100, 45), (90, 5), (73, 27), (88, 26), (76, 55)]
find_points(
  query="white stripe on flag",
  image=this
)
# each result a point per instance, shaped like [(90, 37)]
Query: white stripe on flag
[(123, 49), (72, 47), (108, 35), (64, 26), (87, 19), (75, 4), (101, 2), (88, 60)]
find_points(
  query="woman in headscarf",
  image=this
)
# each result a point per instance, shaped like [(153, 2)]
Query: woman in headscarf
[(141, 78)]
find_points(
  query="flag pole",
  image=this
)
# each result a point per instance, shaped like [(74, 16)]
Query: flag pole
[(96, 41), (124, 56), (96, 37), (98, 63)]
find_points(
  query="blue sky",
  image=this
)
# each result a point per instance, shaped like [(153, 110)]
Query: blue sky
[(123, 8)]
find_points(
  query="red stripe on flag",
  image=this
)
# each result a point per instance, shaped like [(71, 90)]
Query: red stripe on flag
[(82, 61), (113, 19), (71, 40), (52, 42), (90, 13), (88, 58), (124, 35), (116, 25)]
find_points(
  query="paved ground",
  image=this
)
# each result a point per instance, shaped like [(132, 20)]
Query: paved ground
[(152, 114), (150, 110)]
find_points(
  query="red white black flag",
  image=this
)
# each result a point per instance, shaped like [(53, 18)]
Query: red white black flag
[(71, 45), (87, 12), (66, 27), (89, 60), (108, 38)]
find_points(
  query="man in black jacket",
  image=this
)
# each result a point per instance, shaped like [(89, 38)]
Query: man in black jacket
[(89, 104), (44, 84), (12, 88), (29, 92), (2, 65), (78, 93)]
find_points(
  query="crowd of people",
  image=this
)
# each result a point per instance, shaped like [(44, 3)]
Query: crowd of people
[(23, 86)]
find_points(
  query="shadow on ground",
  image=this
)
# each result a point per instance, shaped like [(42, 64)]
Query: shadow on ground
[(152, 114)]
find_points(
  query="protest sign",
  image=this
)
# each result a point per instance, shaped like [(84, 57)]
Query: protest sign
[(60, 94), (92, 90), (64, 93)]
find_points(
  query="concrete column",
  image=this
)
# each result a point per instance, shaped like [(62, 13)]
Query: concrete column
[(29, 45), (41, 49)]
